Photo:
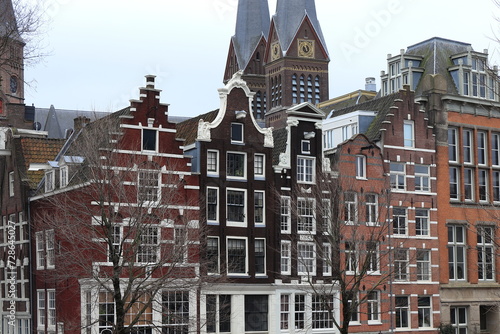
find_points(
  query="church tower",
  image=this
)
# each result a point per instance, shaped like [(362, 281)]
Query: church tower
[(247, 49), (11, 68), (296, 56)]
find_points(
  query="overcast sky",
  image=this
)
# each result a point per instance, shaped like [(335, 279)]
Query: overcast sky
[(102, 49)]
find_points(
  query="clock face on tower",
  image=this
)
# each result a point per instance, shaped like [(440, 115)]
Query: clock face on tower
[(306, 48), (275, 51), (13, 84)]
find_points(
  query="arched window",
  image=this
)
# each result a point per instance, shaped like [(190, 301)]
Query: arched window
[(317, 90), (258, 105), (302, 89), (309, 89), (294, 89), (279, 91)]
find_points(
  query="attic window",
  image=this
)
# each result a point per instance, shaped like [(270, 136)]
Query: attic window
[(63, 176), (148, 140), (49, 181), (237, 133)]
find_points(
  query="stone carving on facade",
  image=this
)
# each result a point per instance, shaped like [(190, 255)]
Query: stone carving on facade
[(203, 131)]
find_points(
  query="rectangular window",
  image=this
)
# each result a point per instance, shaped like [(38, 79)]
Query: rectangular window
[(466, 83), (402, 312), (482, 149), (256, 313), (41, 307), (456, 252), (236, 165), (371, 209), (483, 185), (422, 178), (326, 215), (149, 140), (236, 256), (286, 257), (351, 259), (350, 208), (452, 145), (260, 256), (213, 255), (212, 205), (399, 221), (409, 137), (49, 181), (236, 211), (106, 311), (372, 256), (63, 176), (147, 251), (306, 147), (180, 243), (400, 264), (259, 210), (353, 304), (218, 314), (50, 245), (305, 170), (397, 172), (11, 184), (327, 259), (467, 146), (322, 311), (495, 149), (422, 222), (306, 253), (212, 162), (259, 164), (175, 309), (284, 312), (424, 312), (373, 306), (468, 184), (496, 186), (454, 184), (360, 166), (485, 253), (306, 215), (423, 265), (40, 250), (300, 311), (148, 186), (236, 133), (51, 308), (458, 319), (285, 216)]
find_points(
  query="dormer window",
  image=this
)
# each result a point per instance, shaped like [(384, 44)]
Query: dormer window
[(49, 181), (236, 133), (63, 176)]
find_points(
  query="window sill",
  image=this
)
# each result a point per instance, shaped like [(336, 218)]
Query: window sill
[(374, 322)]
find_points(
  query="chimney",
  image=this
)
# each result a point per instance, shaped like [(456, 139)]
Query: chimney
[(370, 84), (150, 81), (80, 122)]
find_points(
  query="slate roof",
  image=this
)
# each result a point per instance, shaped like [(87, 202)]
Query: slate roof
[(252, 23), (352, 100), (8, 24), (289, 15), (36, 150), (188, 130), (436, 53)]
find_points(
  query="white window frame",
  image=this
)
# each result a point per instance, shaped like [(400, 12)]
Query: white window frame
[(483, 185), (424, 310), (361, 167), (63, 176), (11, 184), (351, 258), (41, 309), (371, 213), (143, 140), (350, 208), (468, 146), (402, 310), (456, 246), (285, 215), (217, 206), (286, 257), (40, 250), (423, 258), (424, 178), (213, 158), (49, 181), (116, 238), (50, 249), (455, 315), (51, 308), (401, 264), (373, 307), (285, 311), (326, 215), (155, 247), (259, 166), (146, 186), (496, 186), (482, 148), (373, 257), (242, 128), (245, 243), (263, 240), (217, 255), (236, 177), (306, 169), (495, 149), (422, 222), (399, 227), (354, 313), (306, 209), (305, 147), (260, 207), (454, 178), (181, 243), (486, 255), (409, 133), (469, 184), (453, 145), (397, 175), (321, 311), (245, 208), (306, 265), (327, 259)]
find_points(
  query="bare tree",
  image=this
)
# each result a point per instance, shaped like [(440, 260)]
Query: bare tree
[(125, 231)]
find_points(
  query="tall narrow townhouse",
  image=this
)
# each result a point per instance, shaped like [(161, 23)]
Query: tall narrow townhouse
[(116, 235), (402, 130), (232, 155), (19, 149)]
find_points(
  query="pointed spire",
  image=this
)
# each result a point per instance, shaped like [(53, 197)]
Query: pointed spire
[(289, 16), (8, 24), (252, 23)]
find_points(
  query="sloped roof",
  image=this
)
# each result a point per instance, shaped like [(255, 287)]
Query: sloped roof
[(436, 53), (36, 150), (346, 101), (252, 23), (8, 24), (289, 16), (188, 130)]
